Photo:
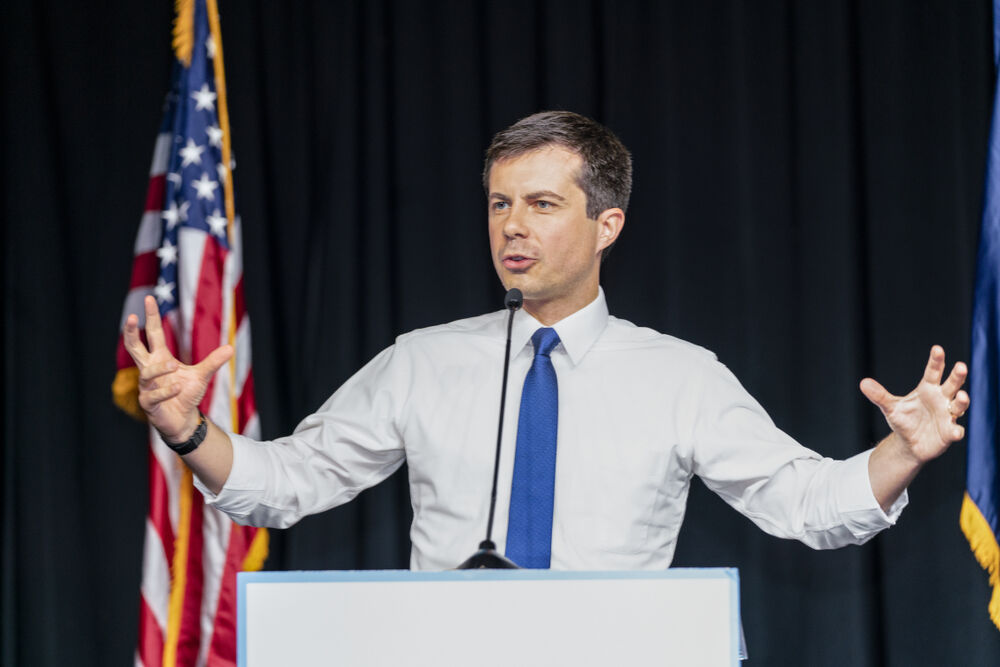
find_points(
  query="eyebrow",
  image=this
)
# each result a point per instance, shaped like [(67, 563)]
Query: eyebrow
[(531, 196), (544, 194)]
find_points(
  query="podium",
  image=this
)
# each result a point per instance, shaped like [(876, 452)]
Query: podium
[(488, 617)]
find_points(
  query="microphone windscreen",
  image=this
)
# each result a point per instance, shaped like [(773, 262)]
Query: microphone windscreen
[(513, 299)]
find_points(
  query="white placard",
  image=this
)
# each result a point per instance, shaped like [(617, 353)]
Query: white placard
[(488, 617)]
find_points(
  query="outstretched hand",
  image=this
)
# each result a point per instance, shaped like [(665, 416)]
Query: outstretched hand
[(169, 391), (925, 419)]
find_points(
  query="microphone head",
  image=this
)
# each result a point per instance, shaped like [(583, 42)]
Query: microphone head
[(513, 299)]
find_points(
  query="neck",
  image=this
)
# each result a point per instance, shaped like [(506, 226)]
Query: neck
[(548, 312)]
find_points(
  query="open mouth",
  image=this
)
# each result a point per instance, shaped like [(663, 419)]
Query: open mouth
[(517, 262)]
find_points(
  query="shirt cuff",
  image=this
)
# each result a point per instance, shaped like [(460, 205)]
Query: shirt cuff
[(862, 514), (241, 492)]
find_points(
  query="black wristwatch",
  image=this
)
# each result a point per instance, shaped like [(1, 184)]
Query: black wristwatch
[(194, 441)]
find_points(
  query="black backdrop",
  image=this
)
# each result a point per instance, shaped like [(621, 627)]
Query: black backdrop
[(808, 182)]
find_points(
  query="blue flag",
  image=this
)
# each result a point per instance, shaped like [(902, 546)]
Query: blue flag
[(980, 516)]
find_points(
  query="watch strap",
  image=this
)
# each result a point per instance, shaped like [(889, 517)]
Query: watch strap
[(194, 441)]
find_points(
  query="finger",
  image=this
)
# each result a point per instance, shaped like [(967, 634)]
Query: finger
[(876, 393), (214, 361), (153, 371), (957, 432), (133, 344), (960, 404), (955, 380), (148, 400), (154, 326), (935, 365)]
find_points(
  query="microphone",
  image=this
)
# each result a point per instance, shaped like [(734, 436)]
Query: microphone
[(487, 556), (512, 300)]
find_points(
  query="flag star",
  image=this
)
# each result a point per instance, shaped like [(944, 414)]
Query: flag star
[(214, 135), (204, 98), (210, 47), (174, 178), (191, 153), (205, 186), (164, 291), (167, 253), (172, 215), (221, 168), (185, 205), (217, 222)]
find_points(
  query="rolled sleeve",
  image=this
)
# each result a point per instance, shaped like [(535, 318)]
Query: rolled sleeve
[(244, 486)]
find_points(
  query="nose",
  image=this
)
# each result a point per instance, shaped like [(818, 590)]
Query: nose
[(514, 225)]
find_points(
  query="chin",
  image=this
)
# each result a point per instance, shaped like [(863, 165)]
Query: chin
[(519, 283), (509, 279)]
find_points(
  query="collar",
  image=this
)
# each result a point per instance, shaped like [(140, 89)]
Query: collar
[(577, 332)]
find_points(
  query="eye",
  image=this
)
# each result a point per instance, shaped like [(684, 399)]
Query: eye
[(499, 205), (543, 205)]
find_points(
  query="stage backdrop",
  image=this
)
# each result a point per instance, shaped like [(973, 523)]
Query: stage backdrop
[(807, 195)]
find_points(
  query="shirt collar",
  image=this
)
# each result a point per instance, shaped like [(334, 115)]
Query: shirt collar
[(577, 332)]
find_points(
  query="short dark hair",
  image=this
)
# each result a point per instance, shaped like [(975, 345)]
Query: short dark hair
[(606, 174)]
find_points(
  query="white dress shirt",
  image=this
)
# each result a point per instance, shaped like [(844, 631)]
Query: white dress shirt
[(640, 412)]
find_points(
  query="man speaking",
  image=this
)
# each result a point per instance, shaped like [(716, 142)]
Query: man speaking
[(608, 421)]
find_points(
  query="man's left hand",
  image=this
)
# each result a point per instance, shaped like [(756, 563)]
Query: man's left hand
[(923, 425)]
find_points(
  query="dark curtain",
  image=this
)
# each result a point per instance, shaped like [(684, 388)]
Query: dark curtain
[(806, 204)]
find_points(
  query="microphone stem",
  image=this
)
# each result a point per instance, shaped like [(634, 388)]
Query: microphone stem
[(503, 401)]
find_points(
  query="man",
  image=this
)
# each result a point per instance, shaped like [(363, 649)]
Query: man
[(614, 419)]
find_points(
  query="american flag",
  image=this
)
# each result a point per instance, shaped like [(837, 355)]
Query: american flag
[(188, 255)]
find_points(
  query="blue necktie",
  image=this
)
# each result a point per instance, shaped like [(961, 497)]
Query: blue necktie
[(529, 526)]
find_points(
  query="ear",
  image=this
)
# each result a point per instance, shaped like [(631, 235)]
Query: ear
[(609, 226)]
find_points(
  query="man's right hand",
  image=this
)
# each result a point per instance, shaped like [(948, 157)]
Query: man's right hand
[(169, 391)]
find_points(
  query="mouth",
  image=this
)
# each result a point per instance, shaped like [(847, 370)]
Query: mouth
[(515, 262)]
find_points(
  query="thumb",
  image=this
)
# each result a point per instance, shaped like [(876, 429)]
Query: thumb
[(214, 361), (876, 393)]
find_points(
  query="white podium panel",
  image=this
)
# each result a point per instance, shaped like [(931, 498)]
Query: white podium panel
[(489, 617)]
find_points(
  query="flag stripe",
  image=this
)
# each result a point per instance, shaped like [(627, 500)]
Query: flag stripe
[(159, 508), (247, 403), (155, 193), (240, 304), (150, 233), (214, 556), (224, 641), (150, 637), (206, 331), (192, 247), (243, 368), (173, 472), (156, 577), (252, 429), (145, 269), (161, 158)]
